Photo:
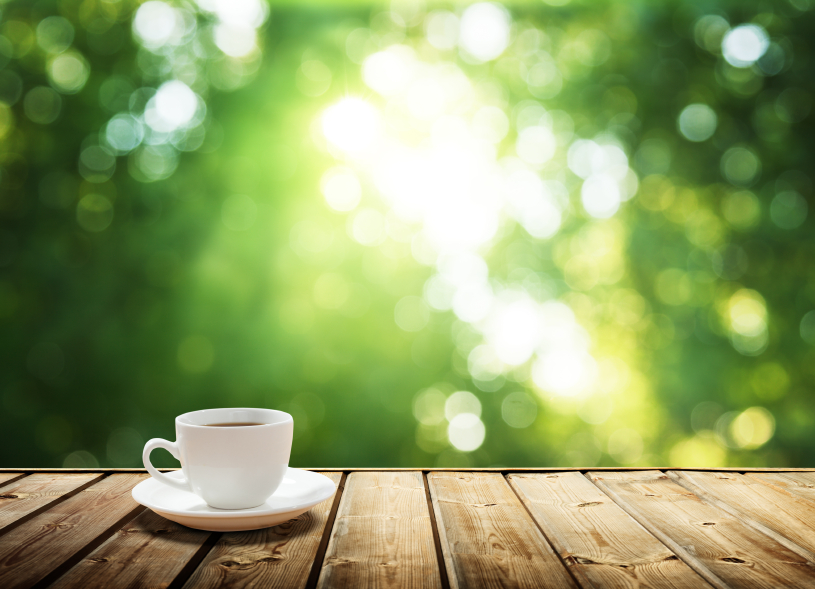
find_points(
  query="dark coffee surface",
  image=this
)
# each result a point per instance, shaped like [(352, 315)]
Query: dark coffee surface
[(235, 424)]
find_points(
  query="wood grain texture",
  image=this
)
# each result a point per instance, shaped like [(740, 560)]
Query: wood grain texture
[(719, 546), (31, 551), (781, 515), (601, 543), (801, 484), (8, 477), (148, 551), (35, 491), (487, 536), (382, 535), (276, 557)]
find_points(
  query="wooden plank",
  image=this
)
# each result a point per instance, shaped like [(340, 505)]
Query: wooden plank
[(487, 536), (601, 543), (148, 551), (33, 550), (382, 536), (36, 491), (801, 484), (10, 477), (720, 547), (784, 517), (276, 557)]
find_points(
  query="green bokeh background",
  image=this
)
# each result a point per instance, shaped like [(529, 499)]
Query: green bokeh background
[(107, 335)]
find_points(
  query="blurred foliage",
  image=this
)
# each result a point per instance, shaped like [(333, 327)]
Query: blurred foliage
[(169, 242)]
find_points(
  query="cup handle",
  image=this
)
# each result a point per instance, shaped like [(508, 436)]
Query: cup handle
[(172, 448)]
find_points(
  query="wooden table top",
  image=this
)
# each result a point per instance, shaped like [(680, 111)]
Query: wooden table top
[(432, 528)]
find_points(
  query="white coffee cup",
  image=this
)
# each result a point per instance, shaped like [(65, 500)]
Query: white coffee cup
[(229, 467)]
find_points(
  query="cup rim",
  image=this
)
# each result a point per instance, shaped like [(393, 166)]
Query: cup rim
[(183, 419)]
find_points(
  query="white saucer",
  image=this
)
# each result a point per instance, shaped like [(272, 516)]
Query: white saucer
[(300, 491)]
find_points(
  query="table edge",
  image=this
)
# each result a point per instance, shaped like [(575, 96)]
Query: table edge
[(501, 469)]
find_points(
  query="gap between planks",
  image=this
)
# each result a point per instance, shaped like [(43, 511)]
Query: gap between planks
[(543, 532), (190, 567), (672, 518), (13, 479), (673, 546), (434, 525), (42, 509), (319, 558), (68, 564), (744, 515), (185, 573)]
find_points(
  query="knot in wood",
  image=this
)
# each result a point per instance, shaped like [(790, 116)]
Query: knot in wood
[(99, 559), (235, 565), (272, 558), (708, 523), (589, 504), (242, 563), (733, 559), (8, 496), (58, 526)]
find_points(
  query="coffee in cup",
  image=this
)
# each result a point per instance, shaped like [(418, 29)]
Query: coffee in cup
[(231, 458)]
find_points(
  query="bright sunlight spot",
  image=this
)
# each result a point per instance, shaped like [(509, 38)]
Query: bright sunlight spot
[(352, 125)]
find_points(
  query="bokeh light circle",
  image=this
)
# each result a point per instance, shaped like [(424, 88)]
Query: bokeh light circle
[(466, 432), (740, 166), (484, 30), (742, 46), (697, 122), (68, 72), (788, 209), (352, 125), (94, 213), (519, 410), (42, 105)]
